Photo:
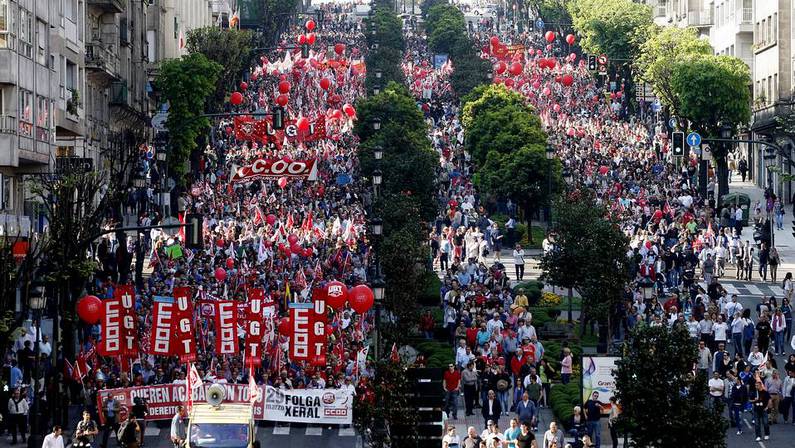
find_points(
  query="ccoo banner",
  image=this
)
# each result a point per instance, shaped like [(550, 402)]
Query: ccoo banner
[(320, 406)]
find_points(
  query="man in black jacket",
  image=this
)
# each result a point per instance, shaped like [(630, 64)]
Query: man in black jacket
[(738, 397), (491, 408)]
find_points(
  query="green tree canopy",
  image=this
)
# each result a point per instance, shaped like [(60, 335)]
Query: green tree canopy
[(659, 409), (613, 27), (658, 54), (230, 48), (185, 83)]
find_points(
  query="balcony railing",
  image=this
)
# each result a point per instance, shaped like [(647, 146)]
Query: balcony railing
[(699, 18), (748, 15), (98, 58), (116, 6), (781, 107), (8, 125)]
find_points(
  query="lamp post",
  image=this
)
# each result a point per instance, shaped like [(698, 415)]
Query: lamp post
[(36, 303), (379, 288), (376, 124), (378, 152), (378, 226), (770, 162), (550, 153), (377, 178)]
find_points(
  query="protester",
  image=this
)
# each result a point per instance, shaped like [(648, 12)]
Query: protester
[(53, 439)]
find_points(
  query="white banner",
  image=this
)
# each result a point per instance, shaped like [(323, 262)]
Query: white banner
[(320, 406), (598, 377)]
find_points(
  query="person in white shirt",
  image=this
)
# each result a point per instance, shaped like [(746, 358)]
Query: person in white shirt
[(720, 330), (53, 439), (451, 439), (716, 389), (756, 358), (518, 262)]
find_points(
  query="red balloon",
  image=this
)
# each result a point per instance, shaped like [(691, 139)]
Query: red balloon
[(309, 251), (284, 86), (336, 114), (495, 40), (603, 170), (303, 124), (516, 69), (292, 238), (570, 132), (549, 36), (619, 94), (546, 91), (89, 308), (339, 48), (500, 68), (296, 249), (244, 86), (558, 79), (349, 110), (301, 39), (310, 25), (220, 274), (325, 83), (282, 100), (551, 63), (361, 298), (282, 182), (270, 219), (311, 39), (509, 83), (556, 107), (230, 263), (536, 85), (570, 39), (236, 98), (567, 80), (285, 326), (336, 294), (539, 52)]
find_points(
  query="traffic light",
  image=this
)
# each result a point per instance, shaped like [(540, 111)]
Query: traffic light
[(592, 62), (278, 118), (193, 231), (305, 51), (531, 25), (678, 143)]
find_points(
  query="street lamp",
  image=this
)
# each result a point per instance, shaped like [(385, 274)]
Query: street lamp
[(550, 153), (377, 177), (378, 226), (36, 303), (376, 89), (378, 152), (378, 73), (376, 124), (379, 288)]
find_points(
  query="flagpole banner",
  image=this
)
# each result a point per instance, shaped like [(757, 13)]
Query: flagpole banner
[(183, 325), (112, 330), (162, 399), (318, 406), (254, 327), (226, 327), (125, 294), (274, 169), (318, 339), (162, 326), (300, 316)]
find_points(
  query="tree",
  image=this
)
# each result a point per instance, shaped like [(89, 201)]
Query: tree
[(589, 256), (658, 54), (387, 397), (186, 83), (713, 91), (230, 48), (613, 27), (553, 11), (660, 408)]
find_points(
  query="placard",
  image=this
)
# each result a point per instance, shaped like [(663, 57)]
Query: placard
[(318, 406)]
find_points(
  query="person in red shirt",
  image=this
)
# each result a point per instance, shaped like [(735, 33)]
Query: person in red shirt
[(451, 381)]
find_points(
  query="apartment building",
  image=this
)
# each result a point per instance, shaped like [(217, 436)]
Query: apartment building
[(171, 20)]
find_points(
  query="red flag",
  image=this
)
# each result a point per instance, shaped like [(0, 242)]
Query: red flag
[(394, 356), (289, 224), (667, 210), (318, 270), (253, 389), (258, 216), (300, 279), (181, 217)]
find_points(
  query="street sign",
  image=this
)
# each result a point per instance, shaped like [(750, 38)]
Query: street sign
[(602, 59), (656, 106), (602, 70), (69, 165), (672, 123), (159, 121), (539, 24), (693, 139)]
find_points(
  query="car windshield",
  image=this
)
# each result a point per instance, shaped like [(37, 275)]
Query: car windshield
[(219, 435)]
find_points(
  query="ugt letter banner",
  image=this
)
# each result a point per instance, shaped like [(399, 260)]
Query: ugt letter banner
[(328, 406), (161, 338), (125, 294), (183, 325), (318, 339), (226, 327), (254, 327)]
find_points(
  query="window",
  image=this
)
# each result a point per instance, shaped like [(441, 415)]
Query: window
[(25, 106), (42, 34), (748, 11), (774, 95), (5, 23), (6, 184), (176, 29), (70, 9), (25, 32), (42, 111), (774, 28)]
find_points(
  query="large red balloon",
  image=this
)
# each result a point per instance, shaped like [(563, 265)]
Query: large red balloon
[(603, 170), (310, 25), (270, 219), (500, 68), (220, 274), (516, 69), (349, 110), (546, 91), (336, 294), (303, 124), (284, 86), (570, 39), (310, 39), (509, 83), (244, 86), (89, 308), (285, 326), (325, 83), (339, 48), (361, 298), (567, 80), (282, 100), (549, 36), (230, 263), (301, 39), (282, 182), (236, 98), (292, 238)]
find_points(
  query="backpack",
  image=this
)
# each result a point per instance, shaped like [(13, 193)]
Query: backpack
[(748, 331)]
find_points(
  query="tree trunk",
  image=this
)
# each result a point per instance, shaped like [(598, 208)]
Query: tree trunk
[(528, 216), (723, 178), (571, 298)]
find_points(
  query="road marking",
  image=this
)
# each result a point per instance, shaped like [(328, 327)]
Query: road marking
[(281, 430), (152, 431), (730, 288), (347, 432), (776, 290), (753, 290), (754, 435), (314, 431)]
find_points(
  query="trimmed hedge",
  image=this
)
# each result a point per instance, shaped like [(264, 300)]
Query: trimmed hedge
[(431, 290), (437, 354), (563, 398), (532, 289)]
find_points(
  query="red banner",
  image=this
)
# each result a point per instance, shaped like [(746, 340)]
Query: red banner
[(163, 320), (254, 327), (226, 327), (248, 128), (183, 325), (162, 400), (308, 340), (274, 169), (318, 338), (118, 323)]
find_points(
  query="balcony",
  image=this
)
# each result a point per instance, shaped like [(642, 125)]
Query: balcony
[(101, 65), (119, 95), (765, 115), (699, 19), (111, 6)]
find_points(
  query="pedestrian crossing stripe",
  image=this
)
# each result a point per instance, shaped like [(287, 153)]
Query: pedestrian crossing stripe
[(753, 290), (281, 430), (284, 430), (314, 431)]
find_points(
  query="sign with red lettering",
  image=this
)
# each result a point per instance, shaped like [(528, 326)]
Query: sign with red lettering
[(112, 331), (183, 325), (125, 294), (274, 169), (254, 326), (226, 327), (318, 340), (249, 129), (162, 326), (300, 316)]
